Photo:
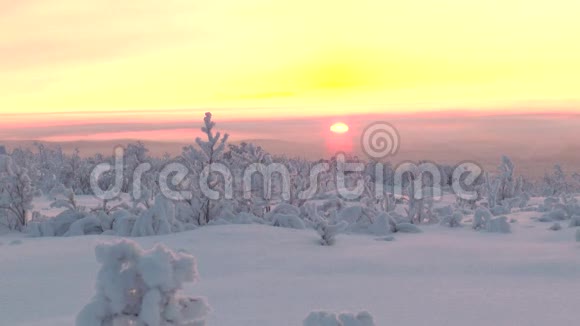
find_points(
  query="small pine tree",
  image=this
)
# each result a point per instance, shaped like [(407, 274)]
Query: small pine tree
[(328, 232), (211, 151)]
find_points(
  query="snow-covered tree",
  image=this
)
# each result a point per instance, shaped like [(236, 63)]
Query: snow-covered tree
[(211, 150), (505, 191), (16, 193), (239, 158), (555, 184), (65, 198), (143, 288)]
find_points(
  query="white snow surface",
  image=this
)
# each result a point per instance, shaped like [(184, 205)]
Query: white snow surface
[(256, 275)]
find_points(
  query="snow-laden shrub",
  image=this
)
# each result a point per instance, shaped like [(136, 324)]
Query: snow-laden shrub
[(501, 209), (288, 221), (407, 228), (549, 204), (75, 220), (498, 225), (545, 218), (328, 232), (90, 224), (480, 218), (575, 221), (323, 318), (556, 215), (394, 224), (453, 220), (286, 209), (484, 220), (555, 227), (123, 223), (381, 225), (444, 211), (159, 219), (240, 218), (350, 214), (57, 226), (143, 288)]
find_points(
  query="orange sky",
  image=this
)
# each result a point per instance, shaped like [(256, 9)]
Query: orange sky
[(67, 62)]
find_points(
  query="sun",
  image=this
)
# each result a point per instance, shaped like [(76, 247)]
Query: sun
[(339, 128)]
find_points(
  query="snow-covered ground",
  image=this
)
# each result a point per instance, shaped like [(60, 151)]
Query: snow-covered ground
[(261, 275)]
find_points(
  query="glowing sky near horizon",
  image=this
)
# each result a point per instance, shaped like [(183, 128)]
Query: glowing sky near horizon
[(150, 60)]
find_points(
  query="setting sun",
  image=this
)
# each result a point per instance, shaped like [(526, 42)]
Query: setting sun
[(339, 128)]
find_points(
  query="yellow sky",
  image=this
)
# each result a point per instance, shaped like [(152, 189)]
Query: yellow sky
[(284, 58)]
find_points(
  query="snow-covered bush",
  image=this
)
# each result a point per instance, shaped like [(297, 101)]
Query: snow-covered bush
[(328, 232), (159, 219), (323, 318), (90, 224), (286, 209), (555, 215), (288, 221), (350, 214), (123, 223), (555, 227), (240, 218), (381, 225), (498, 225), (143, 287), (453, 220), (480, 218), (483, 220), (575, 221), (406, 228), (69, 223), (73, 221), (387, 223)]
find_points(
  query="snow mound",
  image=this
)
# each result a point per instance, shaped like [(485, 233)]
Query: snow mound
[(142, 287)]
